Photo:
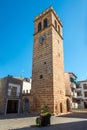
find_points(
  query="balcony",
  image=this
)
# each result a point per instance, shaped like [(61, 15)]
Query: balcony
[(74, 94), (74, 105), (72, 80), (79, 97), (72, 85), (78, 89)]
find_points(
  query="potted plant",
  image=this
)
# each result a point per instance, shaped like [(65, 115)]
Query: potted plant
[(44, 118)]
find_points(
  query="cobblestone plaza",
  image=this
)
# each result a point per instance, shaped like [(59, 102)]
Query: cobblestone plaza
[(71, 121)]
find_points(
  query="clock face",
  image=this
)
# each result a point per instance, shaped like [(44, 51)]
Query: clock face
[(42, 38)]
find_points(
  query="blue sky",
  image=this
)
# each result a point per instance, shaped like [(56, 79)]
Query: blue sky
[(16, 35)]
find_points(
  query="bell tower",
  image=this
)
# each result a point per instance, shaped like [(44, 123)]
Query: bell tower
[(48, 86)]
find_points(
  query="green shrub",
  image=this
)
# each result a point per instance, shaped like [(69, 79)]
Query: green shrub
[(44, 118), (44, 109)]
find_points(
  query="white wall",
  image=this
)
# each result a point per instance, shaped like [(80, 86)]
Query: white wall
[(74, 105), (82, 98), (26, 86)]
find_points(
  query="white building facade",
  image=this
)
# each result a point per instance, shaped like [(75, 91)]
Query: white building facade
[(70, 85), (26, 95), (26, 86), (74, 103), (82, 94)]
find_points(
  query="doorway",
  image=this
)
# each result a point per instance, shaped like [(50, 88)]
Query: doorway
[(85, 104), (26, 105), (12, 106), (61, 109), (68, 105)]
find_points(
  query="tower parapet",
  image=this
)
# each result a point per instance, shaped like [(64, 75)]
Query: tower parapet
[(47, 11)]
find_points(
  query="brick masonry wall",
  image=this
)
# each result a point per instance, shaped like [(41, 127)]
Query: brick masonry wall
[(67, 84), (42, 65), (48, 61), (58, 71)]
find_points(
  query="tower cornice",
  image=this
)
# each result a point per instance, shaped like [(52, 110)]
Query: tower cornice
[(50, 9)]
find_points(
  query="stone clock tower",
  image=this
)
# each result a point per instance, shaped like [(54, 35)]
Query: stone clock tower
[(48, 86)]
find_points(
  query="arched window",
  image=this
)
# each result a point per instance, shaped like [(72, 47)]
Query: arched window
[(39, 26), (58, 28), (55, 24), (45, 23)]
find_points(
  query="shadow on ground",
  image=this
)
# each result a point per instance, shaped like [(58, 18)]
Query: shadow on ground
[(25, 115), (82, 125), (75, 115), (13, 116)]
